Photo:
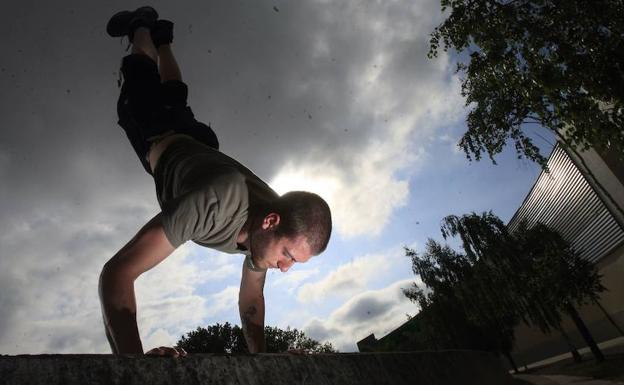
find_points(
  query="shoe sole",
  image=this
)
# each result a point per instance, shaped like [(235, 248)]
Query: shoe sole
[(162, 32), (119, 24)]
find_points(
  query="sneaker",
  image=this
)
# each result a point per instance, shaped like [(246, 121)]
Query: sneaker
[(124, 23), (162, 33)]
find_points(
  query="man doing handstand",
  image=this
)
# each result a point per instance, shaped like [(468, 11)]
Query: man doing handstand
[(204, 195)]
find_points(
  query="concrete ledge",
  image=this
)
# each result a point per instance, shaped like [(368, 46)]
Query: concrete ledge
[(430, 368)]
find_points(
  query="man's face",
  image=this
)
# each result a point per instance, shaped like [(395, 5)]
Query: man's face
[(271, 252)]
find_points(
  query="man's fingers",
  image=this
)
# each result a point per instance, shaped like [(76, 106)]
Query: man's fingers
[(297, 351), (154, 352), (167, 351), (170, 351)]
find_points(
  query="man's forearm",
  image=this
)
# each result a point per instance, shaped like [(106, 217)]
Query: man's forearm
[(119, 311), (252, 319)]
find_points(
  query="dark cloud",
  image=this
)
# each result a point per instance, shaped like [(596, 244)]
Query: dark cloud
[(319, 331), (367, 308), (10, 301), (373, 311)]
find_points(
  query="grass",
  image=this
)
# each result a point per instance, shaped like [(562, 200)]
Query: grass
[(611, 369)]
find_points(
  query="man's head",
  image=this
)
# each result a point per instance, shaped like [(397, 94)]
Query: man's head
[(291, 229)]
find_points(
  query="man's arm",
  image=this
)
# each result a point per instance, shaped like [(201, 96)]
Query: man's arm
[(251, 308), (116, 287)]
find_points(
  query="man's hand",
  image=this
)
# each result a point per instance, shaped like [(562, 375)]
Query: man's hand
[(167, 352), (298, 352)]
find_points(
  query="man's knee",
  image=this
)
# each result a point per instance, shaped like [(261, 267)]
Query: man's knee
[(140, 68), (174, 94)]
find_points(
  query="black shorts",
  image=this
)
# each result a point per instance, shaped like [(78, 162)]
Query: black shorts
[(147, 108)]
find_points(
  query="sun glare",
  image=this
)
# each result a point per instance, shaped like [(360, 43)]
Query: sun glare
[(291, 179)]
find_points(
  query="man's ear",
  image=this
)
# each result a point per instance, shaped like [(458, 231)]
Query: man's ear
[(270, 221)]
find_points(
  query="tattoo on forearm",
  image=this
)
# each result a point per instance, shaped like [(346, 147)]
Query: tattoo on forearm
[(254, 333), (250, 312)]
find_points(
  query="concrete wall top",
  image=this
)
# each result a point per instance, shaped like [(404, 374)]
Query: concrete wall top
[(416, 368)]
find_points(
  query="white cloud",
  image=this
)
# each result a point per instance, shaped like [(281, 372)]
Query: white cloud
[(49, 271), (346, 280), (214, 266), (61, 313), (225, 300), (354, 276), (293, 280), (167, 298), (160, 337), (373, 311), (222, 272), (175, 274)]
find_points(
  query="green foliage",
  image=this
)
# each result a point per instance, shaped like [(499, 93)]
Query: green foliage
[(558, 276), (556, 63), (216, 338), (459, 307), (226, 338), (476, 298), (280, 340)]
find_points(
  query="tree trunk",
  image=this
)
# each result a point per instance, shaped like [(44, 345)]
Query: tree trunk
[(575, 353), (511, 362), (604, 311), (585, 332)]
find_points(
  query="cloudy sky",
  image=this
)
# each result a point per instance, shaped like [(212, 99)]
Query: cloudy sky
[(331, 96)]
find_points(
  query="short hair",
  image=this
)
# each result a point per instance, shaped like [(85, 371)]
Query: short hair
[(305, 214)]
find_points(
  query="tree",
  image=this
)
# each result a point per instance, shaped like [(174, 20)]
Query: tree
[(566, 280), (226, 338), (555, 63), (532, 275), (462, 306), (216, 338), (279, 340), (545, 276)]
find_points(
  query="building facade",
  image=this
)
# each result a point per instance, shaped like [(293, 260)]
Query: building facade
[(582, 197)]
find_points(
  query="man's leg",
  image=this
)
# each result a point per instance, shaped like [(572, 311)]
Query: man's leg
[(175, 91), (168, 66), (139, 103), (142, 43)]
